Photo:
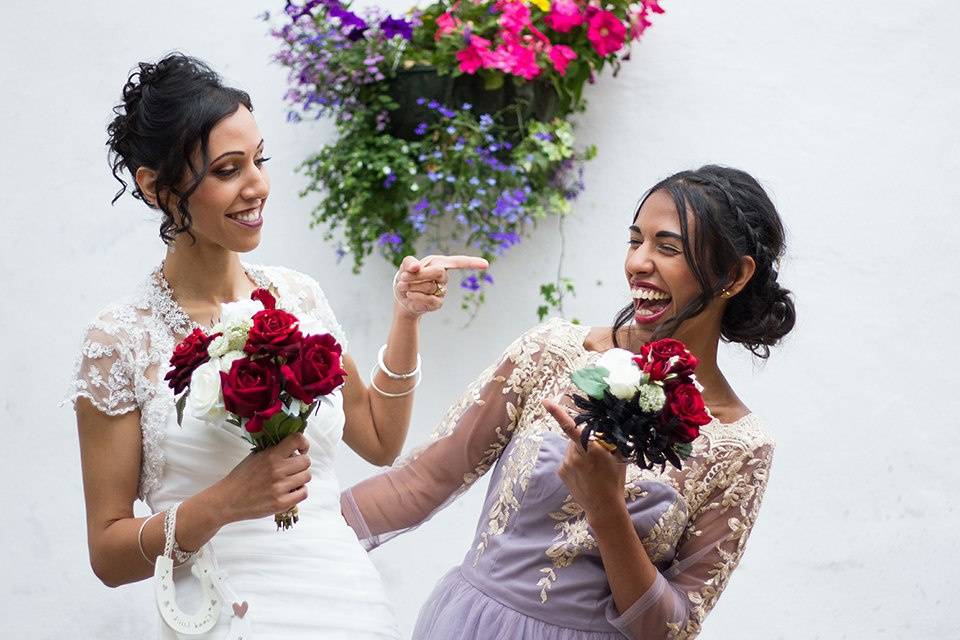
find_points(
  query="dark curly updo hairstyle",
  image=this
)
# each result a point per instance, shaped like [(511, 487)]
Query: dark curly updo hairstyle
[(167, 113), (734, 218)]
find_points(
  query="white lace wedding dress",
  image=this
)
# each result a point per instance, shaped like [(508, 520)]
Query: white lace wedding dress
[(312, 581)]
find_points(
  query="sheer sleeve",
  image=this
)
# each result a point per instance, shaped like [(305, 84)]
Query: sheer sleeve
[(469, 440), (103, 372), (675, 606), (301, 294)]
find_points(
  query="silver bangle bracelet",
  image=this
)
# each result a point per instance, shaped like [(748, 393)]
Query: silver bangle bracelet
[(140, 537), (391, 374), (386, 394)]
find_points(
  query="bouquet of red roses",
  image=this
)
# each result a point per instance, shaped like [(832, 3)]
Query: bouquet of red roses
[(646, 407), (260, 369)]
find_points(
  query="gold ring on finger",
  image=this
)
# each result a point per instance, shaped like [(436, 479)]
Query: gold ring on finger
[(441, 290), (606, 445)]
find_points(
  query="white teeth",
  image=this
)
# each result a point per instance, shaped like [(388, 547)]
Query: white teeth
[(649, 294), (247, 217)]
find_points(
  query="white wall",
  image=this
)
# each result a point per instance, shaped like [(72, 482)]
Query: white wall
[(846, 111)]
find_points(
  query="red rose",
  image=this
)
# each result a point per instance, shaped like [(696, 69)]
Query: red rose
[(317, 370), (275, 332), (685, 403), (187, 356), (655, 359), (265, 297), (252, 390)]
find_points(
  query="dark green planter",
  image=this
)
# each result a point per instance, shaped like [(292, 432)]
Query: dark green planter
[(536, 100)]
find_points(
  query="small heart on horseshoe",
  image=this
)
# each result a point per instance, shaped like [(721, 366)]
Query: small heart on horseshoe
[(240, 609)]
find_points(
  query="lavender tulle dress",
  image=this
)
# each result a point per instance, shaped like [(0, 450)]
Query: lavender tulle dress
[(534, 570)]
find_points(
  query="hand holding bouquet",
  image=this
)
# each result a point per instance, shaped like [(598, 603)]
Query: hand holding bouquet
[(645, 407), (260, 369)]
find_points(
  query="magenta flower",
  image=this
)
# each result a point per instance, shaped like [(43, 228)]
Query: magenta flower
[(476, 55), (564, 15), (606, 33), (446, 24), (653, 5), (560, 56), (514, 17), (526, 63)]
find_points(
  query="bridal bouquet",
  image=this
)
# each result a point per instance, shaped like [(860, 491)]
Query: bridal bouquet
[(646, 407), (260, 369)]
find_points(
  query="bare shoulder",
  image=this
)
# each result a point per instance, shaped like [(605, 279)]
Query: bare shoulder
[(598, 339)]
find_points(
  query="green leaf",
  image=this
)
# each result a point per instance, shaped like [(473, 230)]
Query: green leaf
[(590, 381), (181, 403), (683, 449)]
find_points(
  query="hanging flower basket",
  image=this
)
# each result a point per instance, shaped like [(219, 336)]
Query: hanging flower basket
[(520, 101), (453, 123)]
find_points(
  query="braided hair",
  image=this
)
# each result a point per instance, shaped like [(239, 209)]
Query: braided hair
[(168, 110), (734, 218)]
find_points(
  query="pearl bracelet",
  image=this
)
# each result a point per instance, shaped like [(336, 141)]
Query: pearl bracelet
[(373, 384), (170, 547), (391, 374)]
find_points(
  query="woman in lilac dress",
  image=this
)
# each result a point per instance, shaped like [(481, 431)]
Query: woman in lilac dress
[(572, 544)]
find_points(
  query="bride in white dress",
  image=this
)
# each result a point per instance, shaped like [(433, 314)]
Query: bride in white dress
[(195, 153)]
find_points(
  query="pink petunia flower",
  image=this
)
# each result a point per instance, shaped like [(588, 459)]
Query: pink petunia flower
[(525, 62), (514, 16), (606, 33), (446, 23), (653, 5), (560, 56), (564, 15), (476, 55)]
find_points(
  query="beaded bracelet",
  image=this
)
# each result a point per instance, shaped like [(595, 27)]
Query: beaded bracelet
[(170, 547)]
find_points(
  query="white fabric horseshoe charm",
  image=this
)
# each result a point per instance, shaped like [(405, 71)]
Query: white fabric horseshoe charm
[(216, 593), (187, 623)]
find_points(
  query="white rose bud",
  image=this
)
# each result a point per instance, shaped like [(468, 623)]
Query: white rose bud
[(205, 401), (624, 376)]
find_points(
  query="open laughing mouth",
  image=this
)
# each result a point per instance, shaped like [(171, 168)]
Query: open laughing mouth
[(650, 304)]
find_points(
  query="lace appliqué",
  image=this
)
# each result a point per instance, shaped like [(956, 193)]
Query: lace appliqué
[(126, 352), (574, 537)]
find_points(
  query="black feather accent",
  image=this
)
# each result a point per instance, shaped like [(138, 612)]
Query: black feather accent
[(639, 436)]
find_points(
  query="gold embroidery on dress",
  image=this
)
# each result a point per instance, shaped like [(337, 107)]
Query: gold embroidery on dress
[(726, 472)]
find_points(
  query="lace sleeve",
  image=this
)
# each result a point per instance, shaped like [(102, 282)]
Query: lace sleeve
[(469, 441), (681, 596), (301, 294), (103, 372)]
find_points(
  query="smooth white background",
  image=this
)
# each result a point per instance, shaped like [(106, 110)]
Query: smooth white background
[(846, 112)]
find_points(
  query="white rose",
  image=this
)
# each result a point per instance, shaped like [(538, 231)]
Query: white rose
[(239, 311), (205, 401), (624, 376), (228, 359)]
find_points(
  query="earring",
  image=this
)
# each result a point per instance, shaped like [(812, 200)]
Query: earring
[(725, 294)]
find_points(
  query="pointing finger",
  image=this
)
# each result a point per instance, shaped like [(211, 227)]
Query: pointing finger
[(564, 420)]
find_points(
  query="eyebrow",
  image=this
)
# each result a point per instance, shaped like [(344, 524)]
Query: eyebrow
[(235, 153), (660, 234)]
